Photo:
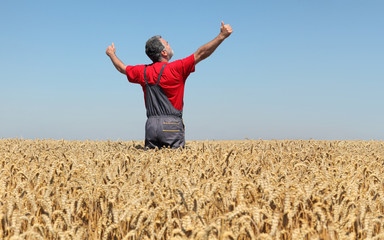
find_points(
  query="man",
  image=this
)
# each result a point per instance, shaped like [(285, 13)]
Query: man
[(163, 85)]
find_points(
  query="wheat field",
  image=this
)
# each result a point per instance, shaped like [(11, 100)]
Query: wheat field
[(254, 189)]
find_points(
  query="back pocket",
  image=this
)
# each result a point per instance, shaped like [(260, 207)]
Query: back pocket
[(172, 126)]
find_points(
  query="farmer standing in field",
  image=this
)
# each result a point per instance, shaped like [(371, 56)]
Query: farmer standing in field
[(163, 85)]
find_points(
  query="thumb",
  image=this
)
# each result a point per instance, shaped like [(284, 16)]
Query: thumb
[(113, 45), (222, 23)]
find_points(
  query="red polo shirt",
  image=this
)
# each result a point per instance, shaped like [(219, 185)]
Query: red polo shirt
[(172, 80)]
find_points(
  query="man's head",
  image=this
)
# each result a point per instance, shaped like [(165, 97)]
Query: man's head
[(157, 49)]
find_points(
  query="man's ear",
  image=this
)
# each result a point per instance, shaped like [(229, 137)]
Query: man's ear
[(164, 54)]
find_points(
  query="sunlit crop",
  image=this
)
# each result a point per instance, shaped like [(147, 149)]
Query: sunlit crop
[(258, 189)]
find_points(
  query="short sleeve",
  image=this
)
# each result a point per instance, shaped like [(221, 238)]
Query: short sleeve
[(134, 73), (188, 66), (184, 66)]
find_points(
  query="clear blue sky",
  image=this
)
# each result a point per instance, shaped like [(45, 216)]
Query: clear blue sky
[(292, 69)]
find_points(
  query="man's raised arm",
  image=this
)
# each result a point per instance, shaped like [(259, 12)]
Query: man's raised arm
[(206, 50), (119, 65)]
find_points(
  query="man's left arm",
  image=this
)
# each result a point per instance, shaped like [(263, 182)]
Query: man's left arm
[(206, 50), (119, 65)]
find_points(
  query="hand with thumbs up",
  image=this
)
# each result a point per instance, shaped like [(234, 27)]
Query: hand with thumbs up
[(225, 30), (111, 50)]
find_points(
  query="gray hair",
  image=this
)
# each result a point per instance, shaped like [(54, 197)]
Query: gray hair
[(153, 48)]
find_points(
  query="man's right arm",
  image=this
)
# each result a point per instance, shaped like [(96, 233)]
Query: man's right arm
[(119, 65), (207, 49)]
